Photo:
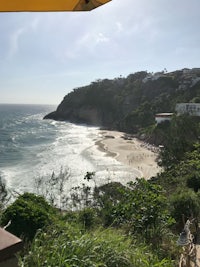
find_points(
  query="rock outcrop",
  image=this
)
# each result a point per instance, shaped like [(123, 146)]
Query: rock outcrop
[(83, 115), (129, 104)]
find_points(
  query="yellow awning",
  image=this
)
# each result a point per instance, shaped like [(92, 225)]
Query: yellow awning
[(49, 5)]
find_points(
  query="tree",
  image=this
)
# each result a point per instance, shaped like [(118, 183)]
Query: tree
[(87, 217), (143, 208), (193, 181), (4, 197), (179, 137), (184, 204), (53, 188), (28, 214), (106, 197)]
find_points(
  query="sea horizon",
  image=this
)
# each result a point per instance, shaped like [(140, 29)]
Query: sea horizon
[(29, 104)]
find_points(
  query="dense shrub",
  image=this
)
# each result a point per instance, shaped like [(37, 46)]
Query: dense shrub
[(27, 214), (185, 204), (193, 181), (143, 207), (178, 138), (87, 217), (106, 197)]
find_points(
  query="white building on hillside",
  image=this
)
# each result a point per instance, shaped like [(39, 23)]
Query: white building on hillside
[(160, 117), (188, 108)]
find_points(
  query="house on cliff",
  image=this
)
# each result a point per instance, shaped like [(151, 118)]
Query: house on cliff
[(192, 109), (160, 117)]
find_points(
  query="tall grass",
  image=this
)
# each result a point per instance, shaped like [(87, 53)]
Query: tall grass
[(70, 247)]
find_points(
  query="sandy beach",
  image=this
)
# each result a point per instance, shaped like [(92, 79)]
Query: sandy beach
[(131, 152)]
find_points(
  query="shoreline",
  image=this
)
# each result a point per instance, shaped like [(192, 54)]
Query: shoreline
[(130, 151)]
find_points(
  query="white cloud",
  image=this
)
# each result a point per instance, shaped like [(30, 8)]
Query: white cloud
[(101, 38), (119, 27), (14, 41), (85, 40), (86, 44), (35, 23), (90, 40), (16, 37)]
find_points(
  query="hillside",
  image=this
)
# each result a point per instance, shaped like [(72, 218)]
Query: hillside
[(129, 104)]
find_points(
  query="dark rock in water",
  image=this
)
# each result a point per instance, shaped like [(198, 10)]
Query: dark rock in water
[(53, 115), (109, 136), (81, 116)]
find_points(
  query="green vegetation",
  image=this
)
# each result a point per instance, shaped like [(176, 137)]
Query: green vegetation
[(178, 137), (28, 214), (4, 198), (137, 232), (68, 247), (182, 184)]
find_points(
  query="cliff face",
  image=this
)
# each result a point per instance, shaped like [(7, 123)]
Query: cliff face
[(83, 115), (129, 103)]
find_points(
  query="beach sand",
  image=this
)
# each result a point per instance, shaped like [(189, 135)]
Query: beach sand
[(131, 152)]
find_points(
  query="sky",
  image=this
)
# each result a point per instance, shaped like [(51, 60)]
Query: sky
[(44, 56)]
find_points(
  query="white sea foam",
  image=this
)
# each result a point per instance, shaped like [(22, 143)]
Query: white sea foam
[(47, 146), (73, 149)]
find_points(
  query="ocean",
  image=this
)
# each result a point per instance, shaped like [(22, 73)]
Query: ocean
[(33, 149)]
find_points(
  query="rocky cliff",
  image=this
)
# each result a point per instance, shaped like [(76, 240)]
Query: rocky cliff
[(130, 103)]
